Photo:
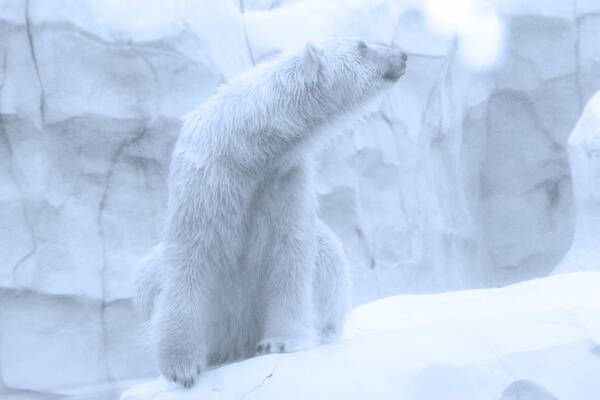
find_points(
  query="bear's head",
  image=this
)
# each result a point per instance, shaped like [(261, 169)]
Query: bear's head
[(343, 74)]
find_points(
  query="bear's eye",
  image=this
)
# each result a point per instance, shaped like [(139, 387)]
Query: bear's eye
[(362, 48)]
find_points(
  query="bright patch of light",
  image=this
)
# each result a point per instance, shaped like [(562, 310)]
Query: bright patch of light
[(476, 25), (447, 16)]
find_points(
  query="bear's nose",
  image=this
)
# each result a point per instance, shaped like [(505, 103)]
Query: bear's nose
[(396, 66)]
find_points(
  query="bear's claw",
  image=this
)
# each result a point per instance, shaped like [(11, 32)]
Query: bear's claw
[(269, 346), (186, 376), (185, 379)]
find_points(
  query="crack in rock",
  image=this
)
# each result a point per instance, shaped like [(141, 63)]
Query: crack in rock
[(13, 175), (35, 62), (114, 159)]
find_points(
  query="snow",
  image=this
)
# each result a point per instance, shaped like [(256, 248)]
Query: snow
[(584, 157), (463, 345)]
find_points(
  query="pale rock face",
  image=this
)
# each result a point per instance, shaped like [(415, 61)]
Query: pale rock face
[(460, 179), (525, 186), (584, 157)]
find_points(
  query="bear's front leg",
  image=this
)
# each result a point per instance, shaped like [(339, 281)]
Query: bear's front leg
[(289, 324), (181, 340)]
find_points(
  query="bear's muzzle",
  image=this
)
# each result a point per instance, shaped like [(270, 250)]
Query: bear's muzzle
[(396, 67)]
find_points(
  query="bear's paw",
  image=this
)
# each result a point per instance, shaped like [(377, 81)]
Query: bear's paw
[(182, 369)]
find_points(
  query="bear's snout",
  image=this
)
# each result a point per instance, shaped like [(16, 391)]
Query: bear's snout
[(396, 67)]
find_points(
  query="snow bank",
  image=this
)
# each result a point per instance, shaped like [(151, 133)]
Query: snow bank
[(539, 337), (584, 157)]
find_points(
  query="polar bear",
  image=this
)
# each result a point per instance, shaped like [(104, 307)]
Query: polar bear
[(245, 265)]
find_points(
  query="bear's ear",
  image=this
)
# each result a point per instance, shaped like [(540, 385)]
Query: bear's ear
[(311, 63)]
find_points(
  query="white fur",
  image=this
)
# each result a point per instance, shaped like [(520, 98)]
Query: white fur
[(245, 264)]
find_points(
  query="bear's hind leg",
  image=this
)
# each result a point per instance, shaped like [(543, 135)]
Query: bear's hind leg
[(331, 285), (289, 319), (286, 216)]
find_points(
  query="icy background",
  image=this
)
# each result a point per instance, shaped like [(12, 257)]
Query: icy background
[(460, 180)]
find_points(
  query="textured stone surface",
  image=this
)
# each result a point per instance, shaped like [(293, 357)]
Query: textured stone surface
[(525, 181), (459, 179)]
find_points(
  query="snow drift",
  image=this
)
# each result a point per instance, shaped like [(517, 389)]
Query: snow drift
[(584, 157), (539, 338)]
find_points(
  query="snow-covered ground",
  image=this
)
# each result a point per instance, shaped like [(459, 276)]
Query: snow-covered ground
[(540, 336)]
